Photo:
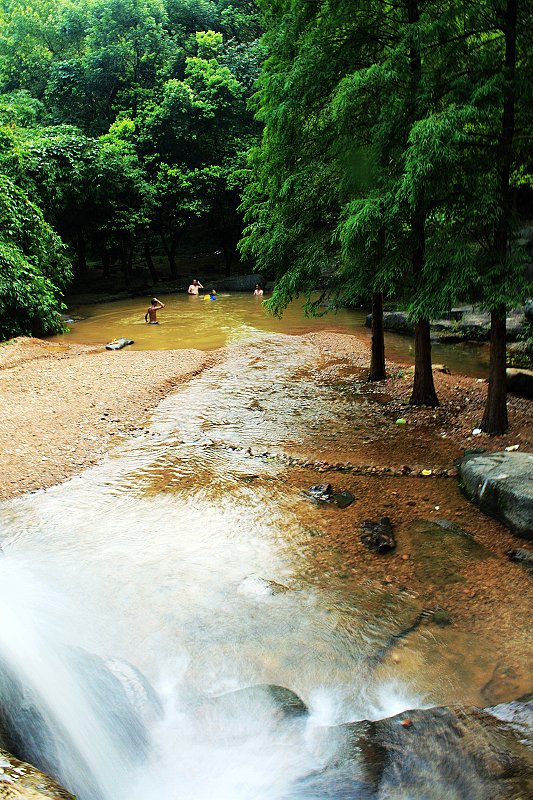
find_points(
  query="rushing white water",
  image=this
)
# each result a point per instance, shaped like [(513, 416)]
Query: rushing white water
[(165, 556)]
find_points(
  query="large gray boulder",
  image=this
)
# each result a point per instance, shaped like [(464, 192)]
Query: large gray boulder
[(520, 381), (394, 321), (431, 754), (501, 484)]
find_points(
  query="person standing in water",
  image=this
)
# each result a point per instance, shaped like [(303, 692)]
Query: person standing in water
[(258, 292), (151, 314), (193, 288)]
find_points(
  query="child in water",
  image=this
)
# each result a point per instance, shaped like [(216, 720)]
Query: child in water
[(151, 314), (212, 295)]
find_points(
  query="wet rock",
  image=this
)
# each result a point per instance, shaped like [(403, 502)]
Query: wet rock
[(501, 484), (441, 617), (519, 716), (394, 321), (342, 499), (520, 381), (240, 283), (21, 781), (441, 753), (378, 536), (254, 699), (321, 492), (464, 324), (522, 556)]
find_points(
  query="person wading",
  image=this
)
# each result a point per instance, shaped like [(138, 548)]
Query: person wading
[(151, 314), (194, 287)]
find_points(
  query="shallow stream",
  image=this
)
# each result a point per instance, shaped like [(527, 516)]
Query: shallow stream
[(183, 556)]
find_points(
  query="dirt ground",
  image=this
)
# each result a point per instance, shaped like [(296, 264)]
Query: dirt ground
[(63, 406)]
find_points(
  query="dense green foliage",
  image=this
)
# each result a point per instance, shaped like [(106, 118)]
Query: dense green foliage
[(395, 159), (33, 269), (125, 122), (396, 152)]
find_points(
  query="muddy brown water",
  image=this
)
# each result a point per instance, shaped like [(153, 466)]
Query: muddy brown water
[(207, 325)]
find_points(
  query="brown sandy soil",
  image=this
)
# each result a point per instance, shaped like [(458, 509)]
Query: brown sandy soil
[(62, 406)]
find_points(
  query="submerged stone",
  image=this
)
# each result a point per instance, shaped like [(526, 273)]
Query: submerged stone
[(378, 536), (441, 550), (342, 499)]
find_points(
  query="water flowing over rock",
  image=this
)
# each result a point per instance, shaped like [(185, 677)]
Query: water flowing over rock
[(108, 697), (501, 484), (285, 703)]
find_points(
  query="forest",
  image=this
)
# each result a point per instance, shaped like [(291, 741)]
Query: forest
[(380, 151), (124, 131)]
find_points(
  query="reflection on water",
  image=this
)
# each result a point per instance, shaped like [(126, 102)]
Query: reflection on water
[(191, 322), (182, 555)]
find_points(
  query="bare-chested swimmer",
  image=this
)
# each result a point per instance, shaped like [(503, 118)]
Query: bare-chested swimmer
[(151, 314)]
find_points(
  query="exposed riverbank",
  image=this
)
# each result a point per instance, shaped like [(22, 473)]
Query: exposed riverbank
[(64, 406)]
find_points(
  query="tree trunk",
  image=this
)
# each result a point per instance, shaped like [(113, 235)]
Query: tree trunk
[(228, 252), (170, 253), (495, 421), (106, 265), (495, 417), (172, 257), (424, 393), (150, 262), (126, 263), (81, 252), (377, 360)]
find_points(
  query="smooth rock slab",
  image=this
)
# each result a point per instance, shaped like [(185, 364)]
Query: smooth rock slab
[(501, 484)]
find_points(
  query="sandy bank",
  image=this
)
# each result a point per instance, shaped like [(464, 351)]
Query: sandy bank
[(62, 406)]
